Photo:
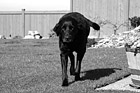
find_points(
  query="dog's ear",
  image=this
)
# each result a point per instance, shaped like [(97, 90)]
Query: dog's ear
[(56, 29)]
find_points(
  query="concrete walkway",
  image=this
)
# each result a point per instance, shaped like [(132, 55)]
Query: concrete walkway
[(123, 84)]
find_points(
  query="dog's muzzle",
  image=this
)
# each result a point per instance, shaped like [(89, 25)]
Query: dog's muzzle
[(67, 39)]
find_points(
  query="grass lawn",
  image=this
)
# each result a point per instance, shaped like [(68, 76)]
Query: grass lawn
[(33, 66)]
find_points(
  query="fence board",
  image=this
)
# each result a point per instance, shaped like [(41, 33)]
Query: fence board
[(134, 8), (10, 24)]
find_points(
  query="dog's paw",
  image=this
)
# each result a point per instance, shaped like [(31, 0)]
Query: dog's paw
[(77, 78), (65, 82)]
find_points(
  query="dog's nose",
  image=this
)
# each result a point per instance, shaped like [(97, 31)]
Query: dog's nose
[(67, 36), (67, 39)]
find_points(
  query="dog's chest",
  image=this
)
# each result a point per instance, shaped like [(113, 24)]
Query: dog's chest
[(74, 46)]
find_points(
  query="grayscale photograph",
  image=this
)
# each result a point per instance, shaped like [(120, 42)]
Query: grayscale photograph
[(69, 46)]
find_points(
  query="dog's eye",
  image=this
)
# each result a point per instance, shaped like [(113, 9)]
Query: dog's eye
[(71, 27), (64, 27)]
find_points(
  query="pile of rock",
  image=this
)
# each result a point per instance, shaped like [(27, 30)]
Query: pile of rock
[(33, 35), (130, 37), (2, 37)]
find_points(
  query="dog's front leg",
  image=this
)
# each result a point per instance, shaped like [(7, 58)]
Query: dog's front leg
[(64, 63), (78, 65), (72, 67)]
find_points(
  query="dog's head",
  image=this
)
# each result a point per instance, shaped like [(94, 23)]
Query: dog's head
[(66, 30)]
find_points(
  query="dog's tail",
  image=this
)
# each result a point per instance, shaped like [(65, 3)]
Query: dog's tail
[(76, 15), (93, 24)]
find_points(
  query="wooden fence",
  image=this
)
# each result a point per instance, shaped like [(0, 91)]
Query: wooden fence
[(110, 14), (19, 23)]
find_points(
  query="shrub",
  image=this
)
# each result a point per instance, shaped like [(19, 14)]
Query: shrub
[(135, 21)]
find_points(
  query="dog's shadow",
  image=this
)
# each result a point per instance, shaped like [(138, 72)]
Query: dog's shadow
[(97, 73)]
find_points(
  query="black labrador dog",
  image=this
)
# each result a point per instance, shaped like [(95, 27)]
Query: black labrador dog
[(73, 30)]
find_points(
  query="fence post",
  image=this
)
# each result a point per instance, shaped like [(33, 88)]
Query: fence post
[(23, 22), (71, 5), (128, 15)]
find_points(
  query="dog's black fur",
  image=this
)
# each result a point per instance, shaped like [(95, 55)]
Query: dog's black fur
[(73, 30)]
